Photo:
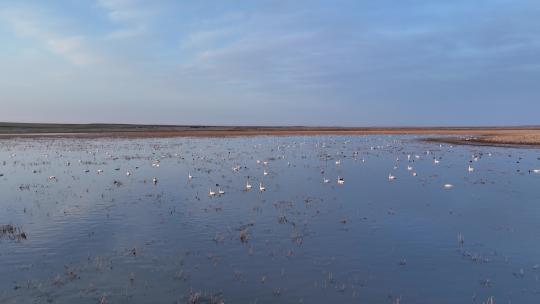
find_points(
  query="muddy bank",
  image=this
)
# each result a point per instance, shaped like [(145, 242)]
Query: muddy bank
[(503, 136), (520, 138)]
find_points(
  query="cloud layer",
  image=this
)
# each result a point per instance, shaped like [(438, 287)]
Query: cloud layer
[(271, 62)]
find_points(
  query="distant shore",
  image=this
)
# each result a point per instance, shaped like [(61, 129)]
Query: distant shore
[(499, 136)]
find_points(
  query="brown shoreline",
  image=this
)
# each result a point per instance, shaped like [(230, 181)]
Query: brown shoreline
[(493, 136)]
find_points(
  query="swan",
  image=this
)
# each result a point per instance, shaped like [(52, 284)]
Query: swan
[(154, 180), (189, 176), (221, 192), (128, 173), (340, 180), (261, 187), (470, 169), (391, 177), (448, 186), (326, 180), (338, 162), (414, 174), (436, 161), (265, 172), (248, 185), (409, 168), (211, 193)]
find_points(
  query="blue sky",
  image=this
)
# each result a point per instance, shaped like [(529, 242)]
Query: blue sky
[(341, 62)]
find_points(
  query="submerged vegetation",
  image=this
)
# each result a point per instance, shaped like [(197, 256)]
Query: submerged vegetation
[(12, 232)]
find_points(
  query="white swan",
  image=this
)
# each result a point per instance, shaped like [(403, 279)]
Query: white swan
[(470, 169), (154, 180), (340, 180), (261, 187), (248, 185), (391, 177), (211, 192), (221, 192)]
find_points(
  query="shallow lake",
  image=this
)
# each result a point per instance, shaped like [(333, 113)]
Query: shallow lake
[(84, 221)]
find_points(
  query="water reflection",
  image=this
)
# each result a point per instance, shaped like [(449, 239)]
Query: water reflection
[(134, 221)]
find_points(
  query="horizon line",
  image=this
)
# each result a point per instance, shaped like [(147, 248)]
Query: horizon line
[(7, 123)]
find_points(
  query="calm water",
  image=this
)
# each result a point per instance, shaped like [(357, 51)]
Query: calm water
[(90, 239)]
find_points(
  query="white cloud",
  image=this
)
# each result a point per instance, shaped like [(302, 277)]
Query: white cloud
[(121, 10), (132, 17), (36, 25)]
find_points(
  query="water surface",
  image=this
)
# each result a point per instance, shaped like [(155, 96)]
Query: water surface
[(95, 234)]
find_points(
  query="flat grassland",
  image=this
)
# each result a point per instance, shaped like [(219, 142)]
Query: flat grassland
[(504, 136)]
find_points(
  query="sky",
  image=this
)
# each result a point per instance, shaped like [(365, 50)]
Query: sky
[(314, 63)]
